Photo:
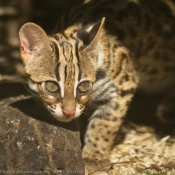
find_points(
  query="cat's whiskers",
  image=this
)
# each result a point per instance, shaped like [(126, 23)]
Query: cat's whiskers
[(29, 90), (35, 96)]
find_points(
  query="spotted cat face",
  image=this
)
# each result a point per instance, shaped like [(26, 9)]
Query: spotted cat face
[(61, 68)]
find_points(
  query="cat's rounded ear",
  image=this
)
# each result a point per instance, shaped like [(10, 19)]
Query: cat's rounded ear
[(32, 39)]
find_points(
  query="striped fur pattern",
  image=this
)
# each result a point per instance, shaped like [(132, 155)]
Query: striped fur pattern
[(97, 63)]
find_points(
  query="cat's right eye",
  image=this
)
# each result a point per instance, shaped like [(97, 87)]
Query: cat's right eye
[(84, 87), (51, 87)]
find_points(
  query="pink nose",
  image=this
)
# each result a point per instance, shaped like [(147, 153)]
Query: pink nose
[(68, 113)]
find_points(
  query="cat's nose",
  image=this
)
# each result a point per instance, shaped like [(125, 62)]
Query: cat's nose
[(68, 113)]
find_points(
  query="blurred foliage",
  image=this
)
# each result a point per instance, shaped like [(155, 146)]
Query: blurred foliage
[(13, 14)]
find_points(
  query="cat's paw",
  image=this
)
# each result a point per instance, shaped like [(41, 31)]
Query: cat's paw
[(93, 165), (89, 151), (95, 160)]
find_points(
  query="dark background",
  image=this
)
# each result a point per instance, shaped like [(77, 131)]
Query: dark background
[(13, 14)]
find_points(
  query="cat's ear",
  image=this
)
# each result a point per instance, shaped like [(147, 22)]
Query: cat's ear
[(90, 34), (32, 39)]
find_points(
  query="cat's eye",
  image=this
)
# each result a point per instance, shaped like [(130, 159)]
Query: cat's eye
[(51, 87), (84, 87)]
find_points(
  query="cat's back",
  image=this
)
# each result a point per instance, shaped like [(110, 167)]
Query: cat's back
[(130, 16), (137, 24), (145, 27)]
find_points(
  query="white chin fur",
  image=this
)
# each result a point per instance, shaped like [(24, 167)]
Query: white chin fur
[(63, 118)]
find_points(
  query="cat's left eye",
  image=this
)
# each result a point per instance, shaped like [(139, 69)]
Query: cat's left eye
[(84, 87), (51, 87)]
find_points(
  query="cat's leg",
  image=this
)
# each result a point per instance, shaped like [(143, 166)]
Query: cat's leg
[(101, 134), (105, 122)]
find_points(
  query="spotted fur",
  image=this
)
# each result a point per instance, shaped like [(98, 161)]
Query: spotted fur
[(133, 46)]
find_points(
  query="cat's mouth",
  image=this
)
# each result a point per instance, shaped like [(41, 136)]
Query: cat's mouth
[(64, 115), (64, 118)]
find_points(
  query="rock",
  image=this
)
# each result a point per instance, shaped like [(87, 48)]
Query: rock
[(31, 141)]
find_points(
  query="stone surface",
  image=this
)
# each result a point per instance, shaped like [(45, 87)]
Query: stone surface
[(31, 141)]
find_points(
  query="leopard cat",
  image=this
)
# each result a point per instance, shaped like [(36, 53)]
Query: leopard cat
[(100, 53)]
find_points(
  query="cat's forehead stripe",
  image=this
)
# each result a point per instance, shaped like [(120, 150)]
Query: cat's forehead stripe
[(56, 50), (65, 72), (57, 71), (69, 52), (78, 59), (79, 74), (70, 57), (65, 36), (56, 37), (76, 51)]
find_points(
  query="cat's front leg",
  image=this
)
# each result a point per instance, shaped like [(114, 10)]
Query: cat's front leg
[(105, 121), (102, 132)]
